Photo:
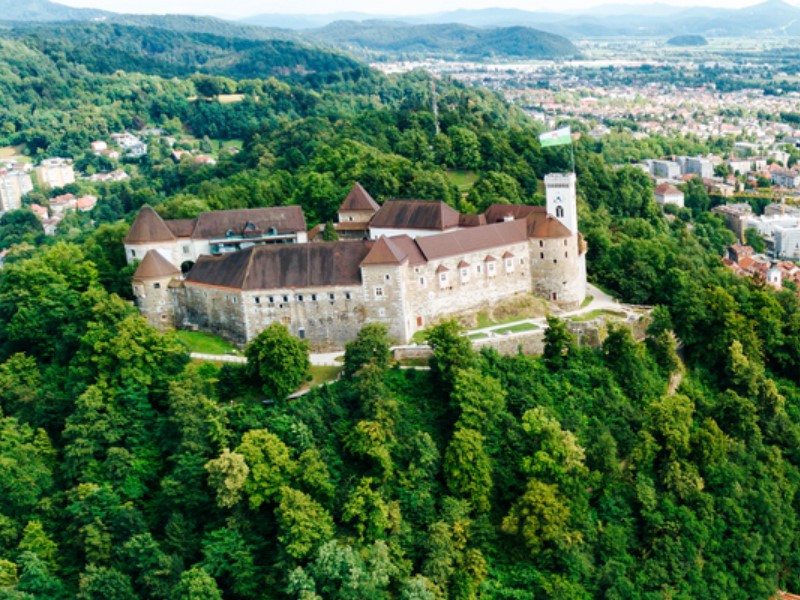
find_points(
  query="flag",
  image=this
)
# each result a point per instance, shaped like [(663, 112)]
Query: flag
[(556, 138)]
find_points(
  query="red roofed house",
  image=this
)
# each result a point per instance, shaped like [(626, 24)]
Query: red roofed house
[(668, 194)]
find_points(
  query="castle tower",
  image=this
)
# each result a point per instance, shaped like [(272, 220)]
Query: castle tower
[(562, 202), (151, 288)]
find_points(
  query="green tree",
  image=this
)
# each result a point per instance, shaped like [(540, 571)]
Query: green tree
[(467, 468), (371, 346), (227, 475), (196, 584), (278, 361), (303, 523)]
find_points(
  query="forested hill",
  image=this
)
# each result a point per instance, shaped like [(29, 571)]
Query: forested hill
[(668, 468), (44, 10), (108, 47), (447, 39)]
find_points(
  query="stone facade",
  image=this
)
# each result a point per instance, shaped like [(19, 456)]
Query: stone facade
[(325, 292)]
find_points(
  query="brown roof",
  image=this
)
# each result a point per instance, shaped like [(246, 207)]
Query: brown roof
[(666, 188), (490, 258), (508, 255), (148, 227), (155, 266), (350, 226), (384, 252), (285, 219), (463, 264), (283, 266), (181, 228), (415, 214), (359, 199), (441, 269), (499, 212), (543, 226), (471, 220), (472, 240), (409, 246)]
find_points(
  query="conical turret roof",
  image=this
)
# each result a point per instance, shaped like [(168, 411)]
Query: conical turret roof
[(148, 227), (359, 199), (155, 266)]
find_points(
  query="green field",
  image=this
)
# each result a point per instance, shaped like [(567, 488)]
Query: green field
[(464, 180), (320, 375), (596, 314), (205, 343), (519, 327)]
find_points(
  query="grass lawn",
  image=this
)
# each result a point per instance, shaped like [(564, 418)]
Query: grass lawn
[(463, 179), (587, 301), (518, 328), (8, 152), (485, 321), (230, 98), (414, 362), (419, 337), (205, 343), (595, 314), (478, 336), (320, 375)]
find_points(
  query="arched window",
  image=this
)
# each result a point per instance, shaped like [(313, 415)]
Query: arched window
[(559, 211)]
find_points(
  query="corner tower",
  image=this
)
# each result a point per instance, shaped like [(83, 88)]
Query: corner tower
[(562, 202)]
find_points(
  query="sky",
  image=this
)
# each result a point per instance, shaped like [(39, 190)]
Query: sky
[(242, 8)]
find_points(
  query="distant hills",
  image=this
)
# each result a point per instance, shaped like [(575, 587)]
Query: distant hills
[(450, 39), (44, 10), (770, 18), (397, 34), (108, 47), (687, 40)]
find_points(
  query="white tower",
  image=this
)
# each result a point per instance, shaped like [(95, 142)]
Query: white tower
[(562, 202)]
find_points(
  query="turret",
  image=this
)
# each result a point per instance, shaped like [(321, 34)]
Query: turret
[(562, 200)]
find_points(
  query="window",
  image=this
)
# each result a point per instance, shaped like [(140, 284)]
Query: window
[(331, 296), (541, 243), (565, 242), (258, 300), (347, 296), (560, 212), (541, 255), (234, 299), (378, 292), (387, 277), (313, 297), (464, 275), (478, 269), (286, 298), (421, 282), (381, 312), (509, 264), (156, 286), (522, 261), (555, 260), (300, 297), (443, 277), (490, 269), (349, 218), (186, 249), (566, 254), (271, 299), (133, 253)]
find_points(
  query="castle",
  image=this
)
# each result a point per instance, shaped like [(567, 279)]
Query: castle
[(406, 263)]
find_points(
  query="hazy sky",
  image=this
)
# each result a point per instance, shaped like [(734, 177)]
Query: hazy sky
[(251, 7)]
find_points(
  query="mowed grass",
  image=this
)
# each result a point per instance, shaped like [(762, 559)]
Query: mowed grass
[(205, 343), (8, 152), (463, 179), (320, 375), (596, 314), (518, 328)]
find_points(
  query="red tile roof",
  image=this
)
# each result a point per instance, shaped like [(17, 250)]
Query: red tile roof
[(148, 227), (359, 200), (416, 214), (155, 266)]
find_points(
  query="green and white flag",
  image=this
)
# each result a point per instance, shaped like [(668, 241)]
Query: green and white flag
[(556, 138)]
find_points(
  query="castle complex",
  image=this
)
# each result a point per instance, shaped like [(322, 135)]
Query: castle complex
[(406, 263)]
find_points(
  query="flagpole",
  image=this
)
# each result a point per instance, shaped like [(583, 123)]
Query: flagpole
[(572, 152)]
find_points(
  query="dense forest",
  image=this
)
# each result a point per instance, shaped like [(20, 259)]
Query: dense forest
[(667, 468)]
